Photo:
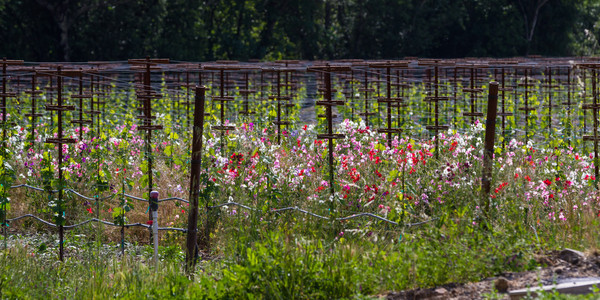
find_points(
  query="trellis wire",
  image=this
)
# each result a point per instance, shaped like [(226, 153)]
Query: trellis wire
[(291, 208)]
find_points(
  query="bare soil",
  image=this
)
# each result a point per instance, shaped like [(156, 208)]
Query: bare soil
[(557, 268)]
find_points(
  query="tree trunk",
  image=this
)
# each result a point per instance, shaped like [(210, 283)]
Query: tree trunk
[(64, 25), (530, 28)]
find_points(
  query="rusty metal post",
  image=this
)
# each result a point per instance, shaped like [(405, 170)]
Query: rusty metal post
[(187, 98), (490, 135), (278, 107), (60, 140), (389, 105), (81, 96), (595, 108), (146, 95), (503, 113), (596, 138), (147, 121), (365, 89), (192, 233), (434, 97), (223, 99), (5, 94), (329, 114), (568, 103), (33, 114), (388, 99), (329, 103), (60, 159)]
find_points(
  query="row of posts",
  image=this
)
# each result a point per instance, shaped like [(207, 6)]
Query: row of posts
[(145, 95)]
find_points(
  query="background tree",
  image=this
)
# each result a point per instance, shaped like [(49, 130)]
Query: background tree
[(195, 30)]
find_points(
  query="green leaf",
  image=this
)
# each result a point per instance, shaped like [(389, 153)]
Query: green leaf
[(393, 175), (168, 150)]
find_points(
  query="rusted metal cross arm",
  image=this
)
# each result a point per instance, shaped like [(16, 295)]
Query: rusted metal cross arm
[(146, 117), (148, 61), (61, 141), (366, 89), (475, 114), (223, 98), (221, 67), (437, 127), (288, 61), (471, 66), (330, 103), (591, 138), (435, 99), (142, 69), (222, 127), (11, 62), (390, 100), (333, 116), (34, 92), (84, 96), (330, 136), (281, 122), (274, 97), (389, 130), (389, 64), (149, 127), (81, 122), (589, 65), (60, 107), (245, 92), (329, 68), (472, 90), (323, 90)]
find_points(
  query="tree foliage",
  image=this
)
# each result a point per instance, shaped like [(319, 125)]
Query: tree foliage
[(43, 30)]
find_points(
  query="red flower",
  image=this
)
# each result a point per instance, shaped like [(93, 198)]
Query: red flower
[(551, 196), (89, 209), (149, 222), (516, 175), (547, 182)]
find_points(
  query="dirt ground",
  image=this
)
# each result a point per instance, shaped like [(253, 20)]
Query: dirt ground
[(561, 265)]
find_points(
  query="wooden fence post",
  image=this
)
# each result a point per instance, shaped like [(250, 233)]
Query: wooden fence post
[(196, 163), (490, 135)]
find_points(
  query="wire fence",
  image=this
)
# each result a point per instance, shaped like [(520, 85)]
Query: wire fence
[(274, 210)]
